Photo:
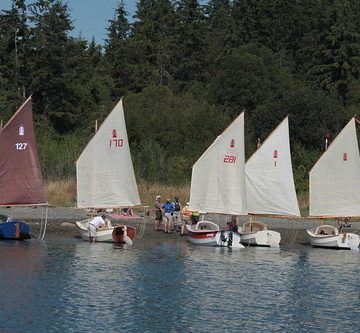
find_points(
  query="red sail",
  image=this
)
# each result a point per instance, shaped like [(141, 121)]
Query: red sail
[(20, 174)]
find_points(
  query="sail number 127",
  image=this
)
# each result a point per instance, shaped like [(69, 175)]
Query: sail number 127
[(229, 159), (20, 145)]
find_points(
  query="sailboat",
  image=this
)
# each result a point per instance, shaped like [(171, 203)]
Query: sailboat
[(218, 186), (270, 188), (20, 174), (335, 190), (105, 177)]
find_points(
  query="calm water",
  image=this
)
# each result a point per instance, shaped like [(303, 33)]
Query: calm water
[(68, 285)]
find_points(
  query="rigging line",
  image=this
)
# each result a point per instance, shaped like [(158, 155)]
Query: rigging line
[(45, 223)]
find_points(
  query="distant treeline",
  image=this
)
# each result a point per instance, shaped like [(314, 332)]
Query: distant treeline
[(185, 69)]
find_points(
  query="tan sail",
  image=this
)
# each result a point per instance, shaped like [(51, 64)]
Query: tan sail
[(335, 178), (270, 187), (105, 174), (218, 177)]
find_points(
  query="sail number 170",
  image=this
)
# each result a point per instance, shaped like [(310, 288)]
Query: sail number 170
[(229, 159)]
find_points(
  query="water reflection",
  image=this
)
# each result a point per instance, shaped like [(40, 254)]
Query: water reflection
[(168, 286)]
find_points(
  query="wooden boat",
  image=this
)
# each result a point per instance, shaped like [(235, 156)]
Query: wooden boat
[(270, 187), (218, 186), (124, 234), (20, 174), (105, 174), (335, 190)]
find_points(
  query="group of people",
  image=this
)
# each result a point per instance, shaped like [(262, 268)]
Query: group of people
[(173, 215)]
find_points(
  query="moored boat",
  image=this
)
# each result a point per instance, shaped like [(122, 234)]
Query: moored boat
[(335, 190), (218, 186), (105, 174), (270, 187), (20, 174)]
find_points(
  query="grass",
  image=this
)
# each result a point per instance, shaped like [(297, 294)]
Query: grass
[(63, 192)]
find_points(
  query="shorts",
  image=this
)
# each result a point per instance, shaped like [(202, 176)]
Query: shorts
[(177, 218), (92, 230), (167, 217), (158, 216)]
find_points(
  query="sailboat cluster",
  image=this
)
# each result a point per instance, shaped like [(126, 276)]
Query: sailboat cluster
[(222, 182)]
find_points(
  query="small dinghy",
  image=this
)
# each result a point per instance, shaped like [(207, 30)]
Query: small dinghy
[(105, 174), (124, 234), (218, 186), (335, 190), (270, 187), (20, 173)]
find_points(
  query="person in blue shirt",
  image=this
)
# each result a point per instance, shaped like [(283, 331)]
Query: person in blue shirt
[(168, 209)]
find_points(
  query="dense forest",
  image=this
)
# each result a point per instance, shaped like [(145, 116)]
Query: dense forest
[(185, 68)]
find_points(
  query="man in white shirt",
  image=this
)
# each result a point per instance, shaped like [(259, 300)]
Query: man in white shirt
[(95, 223)]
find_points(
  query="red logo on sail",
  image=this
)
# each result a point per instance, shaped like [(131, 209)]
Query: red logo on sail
[(276, 153), (21, 130), (232, 143), (345, 157), (114, 133)]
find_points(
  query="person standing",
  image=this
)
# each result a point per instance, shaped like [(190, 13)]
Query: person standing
[(177, 214), (158, 212), (185, 212), (95, 223), (168, 208)]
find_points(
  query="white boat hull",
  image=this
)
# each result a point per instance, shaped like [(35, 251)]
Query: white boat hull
[(104, 235), (210, 235), (342, 241), (261, 238)]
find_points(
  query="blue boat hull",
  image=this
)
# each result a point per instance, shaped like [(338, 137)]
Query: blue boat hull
[(15, 230)]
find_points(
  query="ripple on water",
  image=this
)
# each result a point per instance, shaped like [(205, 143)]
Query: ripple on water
[(70, 285)]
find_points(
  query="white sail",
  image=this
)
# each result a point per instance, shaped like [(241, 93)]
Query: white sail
[(105, 174), (270, 185), (335, 178), (218, 177)]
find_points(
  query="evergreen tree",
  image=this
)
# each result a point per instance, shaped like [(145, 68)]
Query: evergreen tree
[(117, 53), (14, 49), (54, 74), (190, 44), (337, 62), (151, 43)]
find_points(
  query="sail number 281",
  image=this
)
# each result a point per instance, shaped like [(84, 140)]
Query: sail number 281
[(20, 145), (229, 159)]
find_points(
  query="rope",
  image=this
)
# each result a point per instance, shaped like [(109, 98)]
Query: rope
[(143, 225), (45, 223)]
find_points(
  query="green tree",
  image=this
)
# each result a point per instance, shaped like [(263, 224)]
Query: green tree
[(117, 52), (151, 43), (14, 49)]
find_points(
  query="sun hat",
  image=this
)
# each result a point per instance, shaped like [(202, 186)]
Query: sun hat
[(158, 197)]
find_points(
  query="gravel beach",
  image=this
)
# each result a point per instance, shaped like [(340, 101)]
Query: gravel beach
[(61, 220)]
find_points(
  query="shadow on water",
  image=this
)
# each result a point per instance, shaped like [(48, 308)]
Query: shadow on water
[(169, 286)]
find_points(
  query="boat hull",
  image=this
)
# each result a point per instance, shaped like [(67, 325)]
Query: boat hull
[(120, 234), (261, 238), (212, 237), (102, 235), (16, 230), (340, 241)]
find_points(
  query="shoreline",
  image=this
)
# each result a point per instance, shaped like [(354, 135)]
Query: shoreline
[(61, 220)]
